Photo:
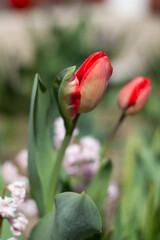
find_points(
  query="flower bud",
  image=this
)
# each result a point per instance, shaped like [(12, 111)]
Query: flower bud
[(81, 92), (93, 77), (134, 95)]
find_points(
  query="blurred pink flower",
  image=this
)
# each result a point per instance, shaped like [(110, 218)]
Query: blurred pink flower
[(59, 132), (82, 160), (18, 190), (113, 192), (9, 172), (28, 207), (8, 207), (18, 224), (22, 159), (12, 238)]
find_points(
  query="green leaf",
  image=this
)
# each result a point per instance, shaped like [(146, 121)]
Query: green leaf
[(76, 217), (156, 142), (60, 86), (41, 154), (97, 189)]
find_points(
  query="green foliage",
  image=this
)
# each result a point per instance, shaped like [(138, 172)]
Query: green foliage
[(41, 154), (58, 51), (75, 217), (63, 48), (97, 189), (138, 215)]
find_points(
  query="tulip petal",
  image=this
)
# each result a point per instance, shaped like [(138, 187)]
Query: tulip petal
[(67, 92), (88, 63), (93, 85), (140, 86), (73, 96), (133, 96)]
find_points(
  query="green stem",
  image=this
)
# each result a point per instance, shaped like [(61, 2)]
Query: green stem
[(58, 163), (1, 221), (110, 139)]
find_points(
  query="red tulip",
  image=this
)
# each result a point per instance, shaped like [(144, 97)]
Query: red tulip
[(134, 95), (93, 77), (81, 92), (20, 3)]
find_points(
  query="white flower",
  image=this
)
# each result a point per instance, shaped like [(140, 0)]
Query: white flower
[(12, 238), (22, 159), (8, 207), (113, 192), (18, 190), (28, 207), (59, 132), (18, 224), (9, 172)]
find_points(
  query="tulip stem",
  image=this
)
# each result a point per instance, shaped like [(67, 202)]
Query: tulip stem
[(106, 146), (1, 221), (58, 162)]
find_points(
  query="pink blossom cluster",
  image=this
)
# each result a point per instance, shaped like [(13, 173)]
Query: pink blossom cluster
[(59, 132), (9, 207), (82, 156), (10, 172)]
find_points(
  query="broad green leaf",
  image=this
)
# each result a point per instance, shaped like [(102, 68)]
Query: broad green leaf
[(97, 189), (41, 154), (62, 95), (75, 218)]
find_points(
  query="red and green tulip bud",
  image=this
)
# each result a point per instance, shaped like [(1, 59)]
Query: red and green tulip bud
[(134, 95), (82, 91), (93, 77)]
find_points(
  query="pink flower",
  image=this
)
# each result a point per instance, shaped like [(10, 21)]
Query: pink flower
[(134, 95), (18, 224), (9, 172), (22, 159), (28, 207), (82, 160), (12, 238), (8, 207), (18, 190), (59, 132), (113, 192)]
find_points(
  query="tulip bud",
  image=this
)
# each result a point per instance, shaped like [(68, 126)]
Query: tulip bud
[(134, 95), (93, 77), (81, 92)]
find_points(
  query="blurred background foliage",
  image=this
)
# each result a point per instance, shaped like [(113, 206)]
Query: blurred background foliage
[(138, 213), (63, 47)]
